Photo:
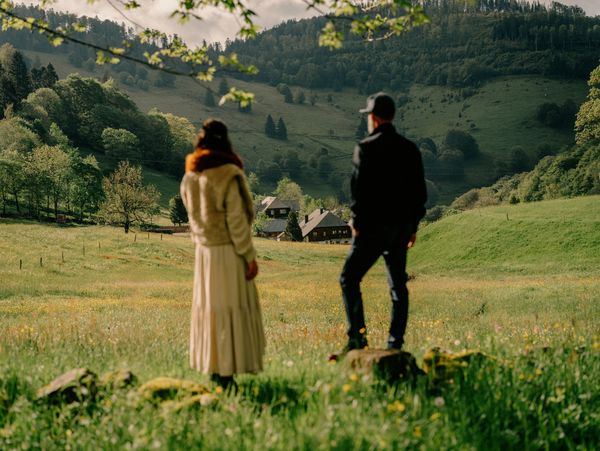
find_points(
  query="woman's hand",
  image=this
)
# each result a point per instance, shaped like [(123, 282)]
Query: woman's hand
[(252, 270)]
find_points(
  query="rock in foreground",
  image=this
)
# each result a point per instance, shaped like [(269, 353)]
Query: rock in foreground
[(76, 385), (163, 388), (118, 379), (392, 366)]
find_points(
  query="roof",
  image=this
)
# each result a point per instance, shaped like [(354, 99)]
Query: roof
[(319, 219), (270, 203), (275, 226)]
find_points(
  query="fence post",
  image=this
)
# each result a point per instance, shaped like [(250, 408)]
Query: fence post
[(135, 237), (41, 262), (63, 256), (20, 264)]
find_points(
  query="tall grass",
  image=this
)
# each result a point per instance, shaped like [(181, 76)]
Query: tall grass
[(126, 305)]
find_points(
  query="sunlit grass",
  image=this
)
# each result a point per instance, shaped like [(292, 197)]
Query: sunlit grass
[(126, 304)]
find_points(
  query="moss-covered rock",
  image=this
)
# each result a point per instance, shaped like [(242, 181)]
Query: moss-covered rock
[(117, 380), (392, 366), (76, 385), (196, 401), (167, 388)]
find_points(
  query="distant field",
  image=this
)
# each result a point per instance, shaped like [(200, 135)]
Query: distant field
[(503, 112), (508, 287)]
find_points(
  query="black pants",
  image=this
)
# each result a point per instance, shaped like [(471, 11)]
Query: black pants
[(366, 248)]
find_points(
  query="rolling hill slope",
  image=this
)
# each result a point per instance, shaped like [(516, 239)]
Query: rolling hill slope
[(503, 114), (559, 236)]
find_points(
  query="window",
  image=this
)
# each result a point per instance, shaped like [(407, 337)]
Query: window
[(282, 211)]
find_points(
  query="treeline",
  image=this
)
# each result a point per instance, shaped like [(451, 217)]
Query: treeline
[(101, 32), (459, 48), (465, 44), (52, 133), (574, 172)]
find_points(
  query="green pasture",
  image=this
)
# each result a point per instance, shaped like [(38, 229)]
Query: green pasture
[(523, 288)]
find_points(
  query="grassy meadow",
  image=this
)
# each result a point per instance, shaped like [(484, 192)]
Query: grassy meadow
[(521, 283), (500, 115)]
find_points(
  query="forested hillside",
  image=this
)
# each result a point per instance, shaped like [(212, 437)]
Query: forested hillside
[(58, 137), (458, 48), (486, 93)]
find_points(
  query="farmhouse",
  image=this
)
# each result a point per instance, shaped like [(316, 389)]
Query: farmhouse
[(323, 225), (277, 208), (274, 228)]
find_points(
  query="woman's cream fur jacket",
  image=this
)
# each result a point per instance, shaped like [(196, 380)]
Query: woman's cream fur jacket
[(220, 208)]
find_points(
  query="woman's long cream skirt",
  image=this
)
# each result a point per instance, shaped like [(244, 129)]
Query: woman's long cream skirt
[(227, 335)]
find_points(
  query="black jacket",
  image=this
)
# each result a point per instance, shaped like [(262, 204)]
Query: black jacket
[(388, 183)]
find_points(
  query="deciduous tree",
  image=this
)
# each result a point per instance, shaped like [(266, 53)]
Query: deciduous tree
[(120, 144), (127, 200)]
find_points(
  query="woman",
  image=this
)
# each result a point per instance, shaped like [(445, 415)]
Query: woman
[(227, 335)]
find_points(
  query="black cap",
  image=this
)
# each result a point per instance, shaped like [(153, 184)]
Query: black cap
[(381, 105)]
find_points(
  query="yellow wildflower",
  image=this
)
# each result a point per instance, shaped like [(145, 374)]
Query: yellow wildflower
[(417, 432), (396, 406)]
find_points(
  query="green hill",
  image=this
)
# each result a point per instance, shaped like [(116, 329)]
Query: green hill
[(500, 115), (558, 236)]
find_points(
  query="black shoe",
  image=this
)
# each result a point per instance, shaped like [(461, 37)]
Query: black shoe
[(227, 383)]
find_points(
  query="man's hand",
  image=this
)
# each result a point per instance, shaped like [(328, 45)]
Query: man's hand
[(354, 232), (411, 241), (252, 270)]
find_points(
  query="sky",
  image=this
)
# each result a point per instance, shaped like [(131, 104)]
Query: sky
[(218, 25)]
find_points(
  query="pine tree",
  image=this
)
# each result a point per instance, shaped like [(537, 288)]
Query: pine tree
[(362, 129), (281, 132), (16, 71), (270, 129), (223, 86), (50, 76), (292, 228), (209, 99), (177, 211)]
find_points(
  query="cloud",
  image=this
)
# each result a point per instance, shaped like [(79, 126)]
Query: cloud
[(591, 7), (217, 25)]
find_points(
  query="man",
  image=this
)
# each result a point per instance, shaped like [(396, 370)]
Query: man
[(388, 201)]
